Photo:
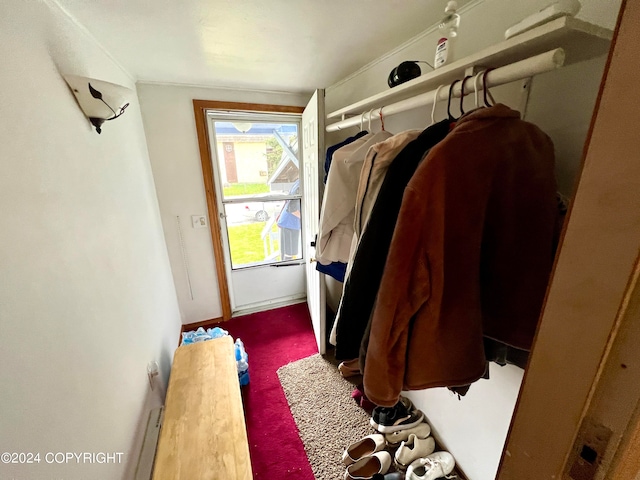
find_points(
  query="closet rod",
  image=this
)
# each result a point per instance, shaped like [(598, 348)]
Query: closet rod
[(528, 67)]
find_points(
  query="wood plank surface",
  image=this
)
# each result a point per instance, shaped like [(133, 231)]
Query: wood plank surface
[(203, 435)]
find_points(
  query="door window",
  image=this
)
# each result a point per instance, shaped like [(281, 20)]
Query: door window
[(258, 174)]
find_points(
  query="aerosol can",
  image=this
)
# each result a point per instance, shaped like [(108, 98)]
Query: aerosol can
[(448, 31)]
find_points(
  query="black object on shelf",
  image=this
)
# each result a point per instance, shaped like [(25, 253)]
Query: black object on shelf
[(404, 72)]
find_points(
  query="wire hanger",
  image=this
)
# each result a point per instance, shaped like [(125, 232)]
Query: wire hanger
[(370, 112), (435, 100), (451, 117), (381, 118), (462, 93), (486, 90), (362, 121)]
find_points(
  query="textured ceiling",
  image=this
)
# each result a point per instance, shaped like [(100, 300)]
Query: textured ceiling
[(285, 45)]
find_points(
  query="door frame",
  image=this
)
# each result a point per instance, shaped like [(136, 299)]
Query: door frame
[(200, 108)]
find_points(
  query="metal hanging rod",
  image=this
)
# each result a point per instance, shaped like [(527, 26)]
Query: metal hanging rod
[(545, 62)]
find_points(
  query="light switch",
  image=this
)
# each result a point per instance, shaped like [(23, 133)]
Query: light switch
[(198, 221)]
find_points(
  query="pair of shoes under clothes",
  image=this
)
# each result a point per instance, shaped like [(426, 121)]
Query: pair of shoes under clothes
[(368, 458)]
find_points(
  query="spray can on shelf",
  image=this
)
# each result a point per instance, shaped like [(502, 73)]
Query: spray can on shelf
[(448, 31)]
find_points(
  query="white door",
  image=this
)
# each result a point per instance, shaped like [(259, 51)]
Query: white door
[(313, 153)]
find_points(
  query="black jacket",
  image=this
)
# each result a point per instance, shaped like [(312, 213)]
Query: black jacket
[(363, 282)]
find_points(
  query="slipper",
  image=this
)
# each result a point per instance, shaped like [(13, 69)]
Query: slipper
[(363, 448)]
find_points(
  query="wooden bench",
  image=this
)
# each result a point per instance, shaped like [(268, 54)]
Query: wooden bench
[(203, 435)]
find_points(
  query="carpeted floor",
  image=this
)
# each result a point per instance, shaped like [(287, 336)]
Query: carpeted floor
[(272, 339), (327, 417)]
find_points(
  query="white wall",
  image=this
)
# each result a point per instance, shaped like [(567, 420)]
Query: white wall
[(169, 123), (561, 103), (86, 294)]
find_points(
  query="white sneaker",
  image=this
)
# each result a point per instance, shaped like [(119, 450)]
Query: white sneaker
[(413, 449), (363, 448), (422, 430), (367, 467), (436, 465)]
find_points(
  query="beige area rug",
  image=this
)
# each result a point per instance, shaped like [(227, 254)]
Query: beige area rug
[(327, 417)]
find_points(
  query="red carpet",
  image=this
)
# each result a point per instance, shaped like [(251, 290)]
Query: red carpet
[(273, 339)]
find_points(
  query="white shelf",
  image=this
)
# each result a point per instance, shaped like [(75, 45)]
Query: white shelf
[(579, 40)]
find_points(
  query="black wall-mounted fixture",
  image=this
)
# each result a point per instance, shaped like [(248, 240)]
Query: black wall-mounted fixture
[(100, 101)]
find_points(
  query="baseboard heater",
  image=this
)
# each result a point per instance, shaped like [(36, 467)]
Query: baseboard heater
[(144, 469)]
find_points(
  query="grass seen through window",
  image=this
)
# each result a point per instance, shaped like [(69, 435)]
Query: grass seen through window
[(240, 189), (246, 245)]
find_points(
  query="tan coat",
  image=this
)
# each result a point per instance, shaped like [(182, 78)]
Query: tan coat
[(470, 256), (374, 169), (338, 204)]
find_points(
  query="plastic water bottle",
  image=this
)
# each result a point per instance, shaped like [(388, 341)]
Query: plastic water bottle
[(217, 332), (448, 30), (242, 361), (187, 338), (201, 335)]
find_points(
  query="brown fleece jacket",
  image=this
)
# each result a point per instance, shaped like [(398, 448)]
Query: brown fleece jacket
[(470, 256)]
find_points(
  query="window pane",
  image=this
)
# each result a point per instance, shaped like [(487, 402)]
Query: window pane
[(257, 159), (263, 232)]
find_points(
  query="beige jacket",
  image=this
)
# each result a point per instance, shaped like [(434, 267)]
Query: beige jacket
[(374, 168), (338, 204)]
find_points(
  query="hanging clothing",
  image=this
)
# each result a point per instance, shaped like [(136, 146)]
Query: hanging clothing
[(341, 151), (338, 204), (374, 169), (337, 269), (470, 256), (331, 150), (503, 354), (360, 289)]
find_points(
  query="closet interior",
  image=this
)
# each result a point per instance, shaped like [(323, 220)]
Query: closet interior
[(561, 42), (436, 269)]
